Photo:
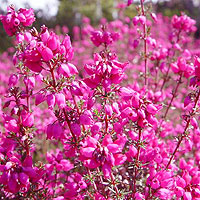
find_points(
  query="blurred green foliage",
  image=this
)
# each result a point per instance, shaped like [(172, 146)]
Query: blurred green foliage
[(170, 8), (70, 12)]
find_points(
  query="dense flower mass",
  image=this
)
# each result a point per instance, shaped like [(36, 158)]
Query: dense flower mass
[(184, 23), (111, 115)]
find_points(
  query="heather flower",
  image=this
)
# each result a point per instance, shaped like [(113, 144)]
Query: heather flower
[(51, 100), (184, 23), (39, 98), (76, 129), (98, 38), (85, 119), (13, 20), (54, 131), (74, 185), (27, 119), (129, 2), (60, 100), (13, 80), (107, 155), (11, 124)]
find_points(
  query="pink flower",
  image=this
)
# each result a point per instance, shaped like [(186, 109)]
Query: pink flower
[(76, 129), (183, 22), (47, 54), (23, 178), (53, 42), (155, 184), (67, 69), (187, 196), (60, 100), (66, 165), (54, 131), (39, 98), (51, 100), (129, 2), (67, 49), (164, 193), (34, 66), (12, 125), (12, 20), (85, 119), (13, 80), (152, 109), (28, 119)]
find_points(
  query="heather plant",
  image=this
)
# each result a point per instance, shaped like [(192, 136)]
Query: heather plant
[(111, 115)]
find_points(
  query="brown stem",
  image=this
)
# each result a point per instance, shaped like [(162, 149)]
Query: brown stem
[(78, 111), (156, 76), (165, 77), (145, 45), (69, 125), (27, 98), (26, 145), (168, 69), (54, 190), (115, 186), (52, 74), (53, 77), (106, 119), (173, 95), (184, 132), (136, 162)]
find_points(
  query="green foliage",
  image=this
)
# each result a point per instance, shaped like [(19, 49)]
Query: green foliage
[(70, 12)]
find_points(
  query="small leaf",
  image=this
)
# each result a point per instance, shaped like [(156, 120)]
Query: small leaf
[(6, 104)]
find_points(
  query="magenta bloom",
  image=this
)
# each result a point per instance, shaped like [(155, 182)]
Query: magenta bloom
[(107, 155), (13, 20)]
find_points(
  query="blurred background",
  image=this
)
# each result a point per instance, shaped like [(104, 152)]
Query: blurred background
[(70, 12)]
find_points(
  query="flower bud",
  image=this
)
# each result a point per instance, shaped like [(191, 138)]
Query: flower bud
[(27, 119), (76, 129), (187, 101), (13, 80), (54, 130), (136, 101), (85, 119), (29, 82), (142, 19), (39, 98), (51, 100), (60, 100), (47, 54), (194, 123), (23, 178), (151, 109), (154, 17), (108, 110)]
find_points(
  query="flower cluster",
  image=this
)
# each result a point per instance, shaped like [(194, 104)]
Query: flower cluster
[(103, 37), (181, 66), (13, 21), (184, 23), (105, 70), (43, 47)]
